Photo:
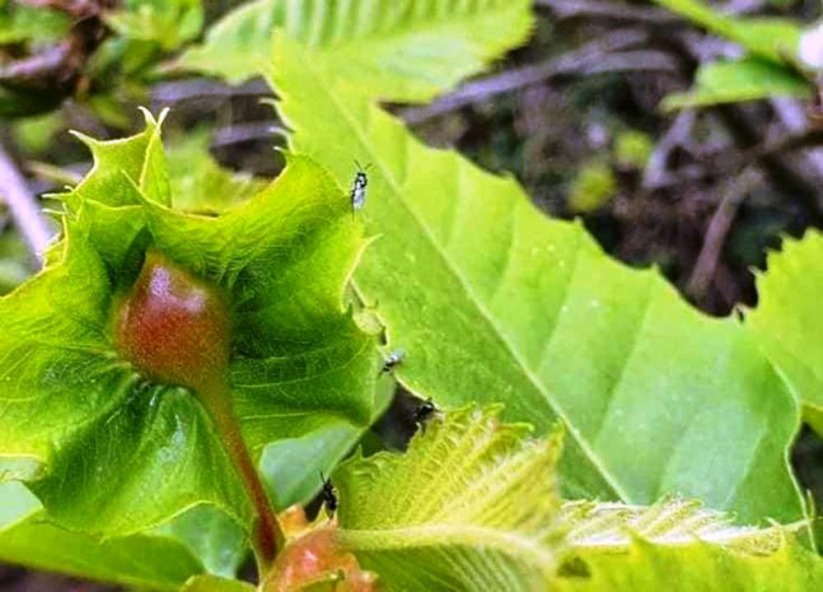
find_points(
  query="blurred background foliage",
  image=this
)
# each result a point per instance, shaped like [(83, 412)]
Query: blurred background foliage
[(702, 191)]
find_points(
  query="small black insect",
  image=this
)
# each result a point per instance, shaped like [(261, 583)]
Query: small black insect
[(358, 188), (394, 358), (424, 412), (329, 495)]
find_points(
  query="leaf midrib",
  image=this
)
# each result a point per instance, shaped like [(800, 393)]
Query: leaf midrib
[(483, 313), (511, 543)]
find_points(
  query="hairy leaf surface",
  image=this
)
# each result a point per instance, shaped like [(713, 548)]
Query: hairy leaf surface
[(470, 506), (678, 545)]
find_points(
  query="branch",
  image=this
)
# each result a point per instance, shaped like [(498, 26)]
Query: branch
[(589, 59), (677, 134), (779, 147), (21, 204), (736, 190), (564, 9), (247, 132), (199, 88), (50, 63), (78, 9)]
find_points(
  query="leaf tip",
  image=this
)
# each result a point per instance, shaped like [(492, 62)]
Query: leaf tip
[(88, 141), (152, 123)]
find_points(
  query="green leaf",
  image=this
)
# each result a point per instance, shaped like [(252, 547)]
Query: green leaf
[(211, 536), (238, 47), (23, 24), (771, 38), (168, 23), (737, 81), (403, 51), (678, 545), (470, 506), (111, 452), (198, 183), (122, 168), (13, 261), (787, 321), (494, 302), (27, 537)]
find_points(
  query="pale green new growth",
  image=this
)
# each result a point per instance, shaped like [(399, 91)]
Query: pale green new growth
[(787, 321), (470, 506), (679, 545)]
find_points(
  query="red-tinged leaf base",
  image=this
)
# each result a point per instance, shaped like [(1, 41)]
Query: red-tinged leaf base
[(314, 560), (174, 327)]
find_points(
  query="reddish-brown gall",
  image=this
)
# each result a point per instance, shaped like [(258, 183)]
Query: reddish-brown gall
[(173, 326)]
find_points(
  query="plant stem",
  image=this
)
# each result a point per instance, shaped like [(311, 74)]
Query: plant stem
[(736, 190), (22, 206), (267, 536)]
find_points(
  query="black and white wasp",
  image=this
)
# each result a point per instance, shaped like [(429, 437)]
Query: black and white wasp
[(394, 358), (357, 194)]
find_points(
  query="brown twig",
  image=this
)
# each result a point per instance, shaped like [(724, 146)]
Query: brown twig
[(734, 193), (247, 132), (781, 146), (49, 63), (176, 91), (77, 9), (746, 131), (678, 133), (565, 9), (56, 71), (21, 203), (591, 58)]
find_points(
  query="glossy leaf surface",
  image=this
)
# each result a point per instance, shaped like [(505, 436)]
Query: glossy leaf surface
[(27, 536), (494, 302)]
